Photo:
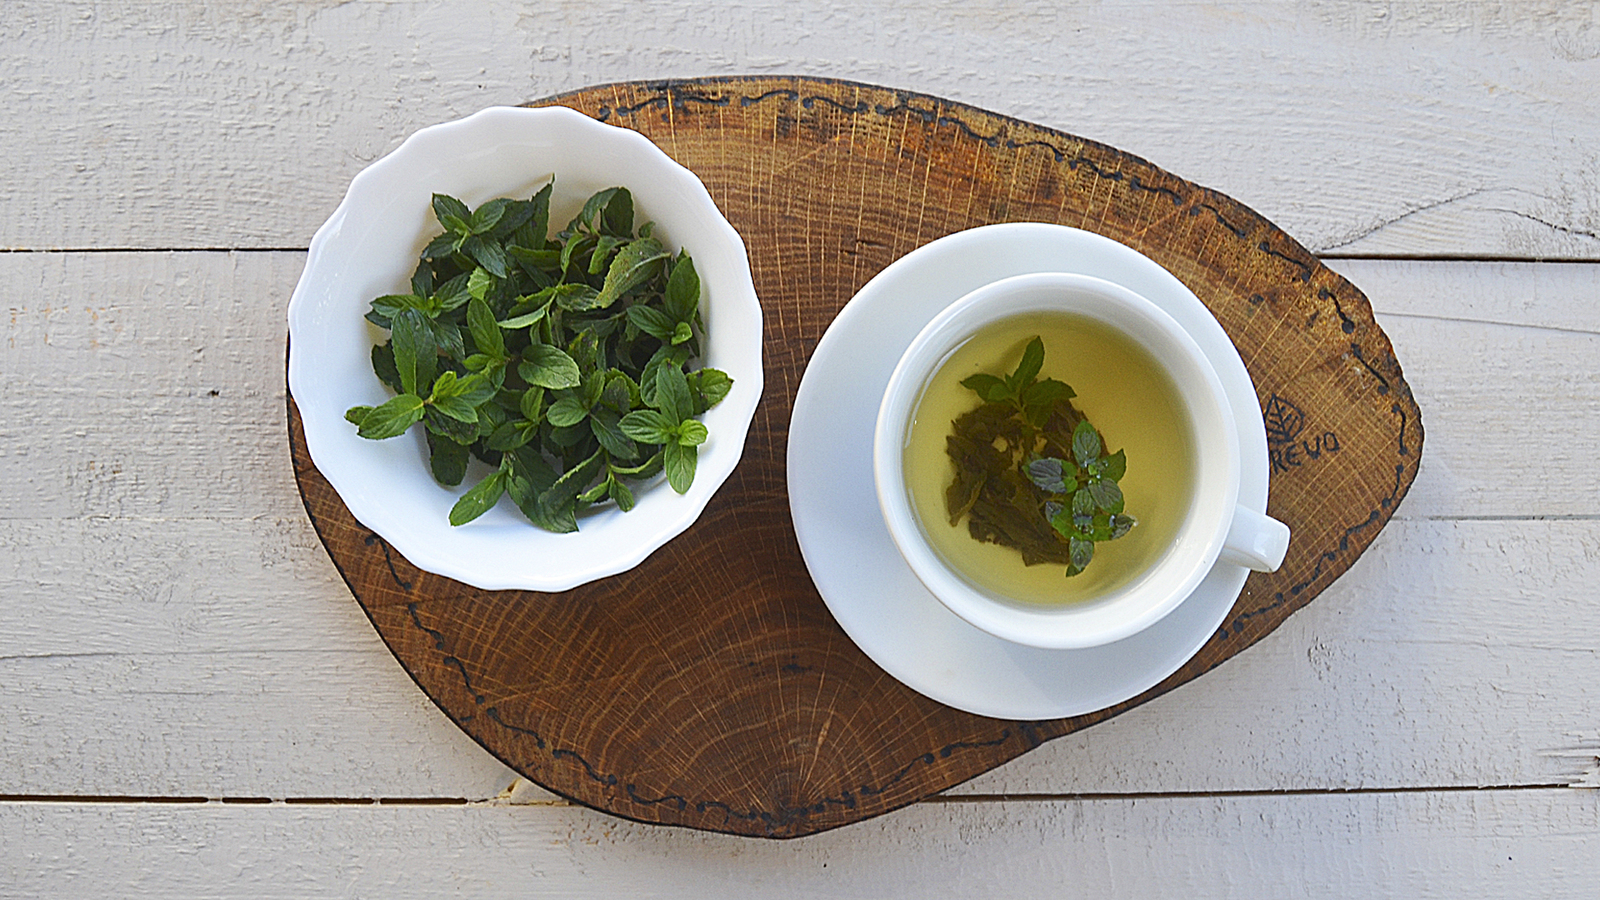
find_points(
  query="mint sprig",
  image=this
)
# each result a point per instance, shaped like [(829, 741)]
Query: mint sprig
[(1082, 500), (1032, 472)]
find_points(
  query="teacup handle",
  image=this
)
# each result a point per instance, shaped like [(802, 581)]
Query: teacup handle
[(1255, 541)]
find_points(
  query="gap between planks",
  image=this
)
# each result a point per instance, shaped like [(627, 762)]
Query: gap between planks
[(503, 799)]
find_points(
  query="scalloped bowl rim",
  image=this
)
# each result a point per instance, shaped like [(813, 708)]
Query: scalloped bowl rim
[(369, 246)]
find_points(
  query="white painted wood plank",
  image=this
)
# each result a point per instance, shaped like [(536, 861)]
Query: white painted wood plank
[(1509, 415), (1538, 843), (236, 725), (145, 384), (111, 360), (1553, 295), (1398, 128), (1455, 653)]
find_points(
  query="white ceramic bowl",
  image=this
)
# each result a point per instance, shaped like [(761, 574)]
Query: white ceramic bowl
[(370, 246)]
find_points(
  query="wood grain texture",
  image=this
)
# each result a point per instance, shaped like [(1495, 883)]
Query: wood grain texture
[(750, 712)]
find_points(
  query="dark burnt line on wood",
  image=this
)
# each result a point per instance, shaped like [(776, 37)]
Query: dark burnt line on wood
[(1305, 268), (784, 816), (786, 93), (1399, 411), (811, 101), (373, 538), (416, 619), (1346, 323), (1360, 355)]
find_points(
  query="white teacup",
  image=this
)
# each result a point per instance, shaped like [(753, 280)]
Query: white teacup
[(1215, 527)]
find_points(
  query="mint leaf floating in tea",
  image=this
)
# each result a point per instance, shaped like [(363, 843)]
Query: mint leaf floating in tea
[(1031, 472), (563, 363)]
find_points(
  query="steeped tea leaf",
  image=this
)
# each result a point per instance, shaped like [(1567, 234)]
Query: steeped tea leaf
[(1050, 508)]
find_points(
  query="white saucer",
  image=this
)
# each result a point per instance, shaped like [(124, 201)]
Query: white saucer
[(857, 569)]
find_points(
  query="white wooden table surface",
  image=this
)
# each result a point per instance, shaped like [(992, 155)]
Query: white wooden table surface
[(192, 705)]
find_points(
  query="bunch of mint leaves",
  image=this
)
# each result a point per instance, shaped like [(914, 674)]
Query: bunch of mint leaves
[(559, 362), (1031, 472)]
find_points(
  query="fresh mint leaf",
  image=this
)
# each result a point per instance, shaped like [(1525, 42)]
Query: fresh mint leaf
[(672, 394), (603, 423), (475, 389), (538, 225), (648, 426), (651, 321), (480, 283), (485, 330), (635, 263), (453, 294), (446, 459), (455, 429), (683, 290), (619, 213), (620, 494), (442, 246), (485, 217), (665, 357), (511, 434), (531, 404), (549, 367), (446, 338), (479, 499), (601, 489), (575, 297), (525, 320), (691, 433), (571, 483), (446, 206), (526, 496), (605, 247), (709, 387), (619, 392), (384, 365), (391, 418), (566, 411), (679, 462), (415, 351), (457, 409), (487, 253)]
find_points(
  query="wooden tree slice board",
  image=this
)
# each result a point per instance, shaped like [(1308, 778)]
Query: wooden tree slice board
[(709, 687)]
